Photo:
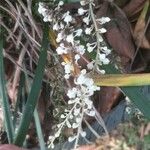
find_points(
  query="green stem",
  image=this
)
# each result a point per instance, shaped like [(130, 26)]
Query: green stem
[(3, 96), (39, 130), (34, 93)]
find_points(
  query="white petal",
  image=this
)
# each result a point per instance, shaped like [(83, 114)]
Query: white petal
[(81, 11), (70, 39), (67, 17), (71, 138), (78, 32), (86, 20), (83, 134), (88, 31), (75, 125), (102, 30), (61, 3)]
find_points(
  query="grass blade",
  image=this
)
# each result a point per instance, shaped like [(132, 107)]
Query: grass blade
[(139, 99), (3, 96), (19, 95), (39, 130), (34, 93)]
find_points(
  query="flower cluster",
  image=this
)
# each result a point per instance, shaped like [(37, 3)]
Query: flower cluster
[(81, 105), (69, 37)]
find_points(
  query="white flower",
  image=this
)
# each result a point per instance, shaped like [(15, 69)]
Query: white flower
[(52, 146), (103, 59), (61, 49), (91, 113), (102, 56), (92, 88), (83, 2), (76, 111), (86, 20), (68, 124), (68, 67), (57, 134), (49, 18), (71, 116), (83, 134), (41, 9), (71, 101), (80, 49), (62, 26), (89, 82), (60, 3), (106, 50), (76, 100), (81, 78), (70, 38), (103, 20), (75, 125), (102, 71), (66, 76), (81, 11), (50, 137), (78, 119), (90, 65), (83, 71), (89, 103), (106, 61), (67, 17), (102, 30), (128, 110), (56, 26), (71, 138), (78, 32), (90, 47), (88, 31), (72, 92), (45, 19), (77, 57), (60, 36), (62, 116)]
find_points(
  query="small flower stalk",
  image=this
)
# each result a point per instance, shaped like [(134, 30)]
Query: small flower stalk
[(70, 39)]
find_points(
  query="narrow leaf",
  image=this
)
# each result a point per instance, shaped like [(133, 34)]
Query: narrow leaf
[(3, 96), (122, 79), (134, 93), (34, 93), (39, 130)]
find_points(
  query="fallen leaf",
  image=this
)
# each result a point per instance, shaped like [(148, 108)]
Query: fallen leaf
[(87, 147), (10, 146), (119, 34), (139, 30), (133, 7), (106, 99)]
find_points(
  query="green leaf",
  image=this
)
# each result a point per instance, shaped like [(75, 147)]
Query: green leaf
[(3, 96), (34, 93), (39, 130), (134, 93), (19, 96), (122, 79)]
